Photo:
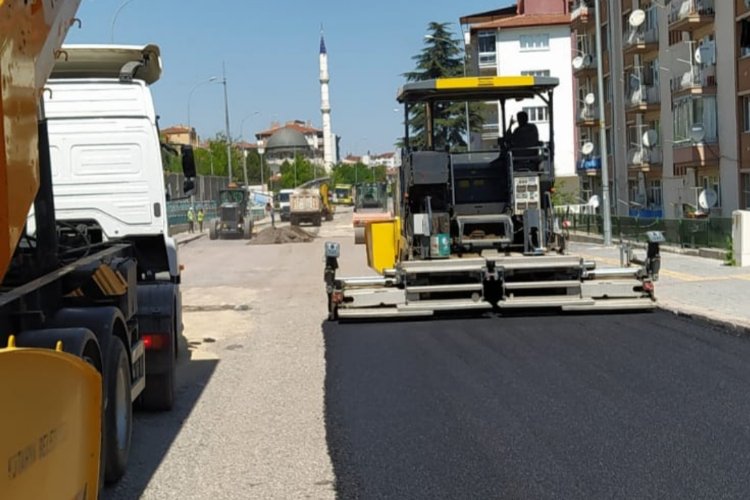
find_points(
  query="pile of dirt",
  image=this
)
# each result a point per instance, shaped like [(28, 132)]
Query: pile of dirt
[(278, 235)]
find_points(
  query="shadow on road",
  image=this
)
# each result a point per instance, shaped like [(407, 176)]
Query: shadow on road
[(154, 433)]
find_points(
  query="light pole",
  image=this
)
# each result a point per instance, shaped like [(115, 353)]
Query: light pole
[(244, 165), (190, 96), (226, 118), (602, 131), (114, 20), (261, 150), (466, 103)]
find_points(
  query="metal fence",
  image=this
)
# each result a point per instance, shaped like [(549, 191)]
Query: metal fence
[(712, 232)]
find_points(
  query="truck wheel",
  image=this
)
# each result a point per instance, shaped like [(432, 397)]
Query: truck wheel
[(317, 220), (213, 231), (293, 221), (118, 412), (247, 229), (159, 392)]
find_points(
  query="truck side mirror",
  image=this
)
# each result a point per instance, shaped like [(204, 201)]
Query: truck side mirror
[(188, 161), (188, 185)]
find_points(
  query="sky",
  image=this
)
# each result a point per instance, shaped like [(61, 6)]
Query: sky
[(271, 50)]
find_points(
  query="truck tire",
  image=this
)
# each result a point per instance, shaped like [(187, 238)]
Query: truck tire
[(317, 221), (118, 412), (213, 230), (247, 229), (159, 394), (293, 220)]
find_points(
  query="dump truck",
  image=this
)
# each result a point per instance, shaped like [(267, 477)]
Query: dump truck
[(283, 197), (234, 220), (89, 302), (370, 205), (306, 205), (476, 231)]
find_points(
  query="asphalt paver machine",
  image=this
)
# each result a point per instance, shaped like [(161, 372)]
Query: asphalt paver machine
[(476, 230)]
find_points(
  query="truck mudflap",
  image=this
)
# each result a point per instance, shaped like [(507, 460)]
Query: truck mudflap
[(494, 282), (51, 437)]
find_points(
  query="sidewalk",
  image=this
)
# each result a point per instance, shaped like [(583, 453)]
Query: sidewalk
[(183, 237), (693, 286)]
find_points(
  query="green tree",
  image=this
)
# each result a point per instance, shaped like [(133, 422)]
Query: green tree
[(297, 172), (358, 172), (440, 57), (216, 154)]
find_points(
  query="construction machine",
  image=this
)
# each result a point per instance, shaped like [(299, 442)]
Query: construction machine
[(234, 220), (89, 284), (370, 205), (343, 194), (476, 230)]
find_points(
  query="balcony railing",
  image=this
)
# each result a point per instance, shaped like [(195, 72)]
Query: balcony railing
[(643, 95), (639, 37), (580, 9), (487, 59), (642, 156), (694, 79), (690, 8)]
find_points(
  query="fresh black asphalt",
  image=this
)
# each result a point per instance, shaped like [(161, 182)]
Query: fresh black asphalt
[(590, 406)]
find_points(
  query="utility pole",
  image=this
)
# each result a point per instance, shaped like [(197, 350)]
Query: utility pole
[(226, 117), (602, 127)]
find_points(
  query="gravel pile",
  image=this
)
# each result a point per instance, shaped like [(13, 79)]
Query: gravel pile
[(278, 235)]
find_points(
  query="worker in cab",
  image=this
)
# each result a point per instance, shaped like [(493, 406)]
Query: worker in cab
[(525, 136)]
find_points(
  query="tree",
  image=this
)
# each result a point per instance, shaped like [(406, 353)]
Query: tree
[(441, 57), (358, 172), (216, 154), (297, 172)]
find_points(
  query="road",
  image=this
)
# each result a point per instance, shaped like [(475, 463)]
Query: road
[(275, 402)]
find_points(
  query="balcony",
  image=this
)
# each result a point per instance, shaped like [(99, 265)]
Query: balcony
[(587, 116), (587, 67), (642, 99), (641, 42), (642, 158), (689, 15), (590, 165), (698, 80), (579, 16)]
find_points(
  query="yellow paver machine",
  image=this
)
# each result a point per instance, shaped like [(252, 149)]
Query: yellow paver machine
[(476, 230)]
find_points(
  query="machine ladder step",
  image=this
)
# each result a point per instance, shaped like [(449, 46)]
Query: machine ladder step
[(544, 301), (539, 285), (463, 287), (445, 305)]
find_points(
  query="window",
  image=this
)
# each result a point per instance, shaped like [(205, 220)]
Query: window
[(536, 72), (537, 114), (535, 42), (695, 110), (487, 47), (744, 38), (745, 191), (607, 89), (654, 193), (746, 113)]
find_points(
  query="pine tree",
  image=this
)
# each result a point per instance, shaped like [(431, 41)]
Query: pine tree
[(441, 57)]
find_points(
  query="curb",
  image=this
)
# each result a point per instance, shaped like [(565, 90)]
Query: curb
[(736, 328), (706, 253), (185, 241)]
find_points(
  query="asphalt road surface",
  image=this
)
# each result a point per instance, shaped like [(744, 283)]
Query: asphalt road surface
[(615, 406), (275, 402)]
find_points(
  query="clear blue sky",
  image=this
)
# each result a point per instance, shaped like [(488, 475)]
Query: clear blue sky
[(271, 54)]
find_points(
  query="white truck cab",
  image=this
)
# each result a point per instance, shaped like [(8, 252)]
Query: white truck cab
[(284, 200), (105, 147)]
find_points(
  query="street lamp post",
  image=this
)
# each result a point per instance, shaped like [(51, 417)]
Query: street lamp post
[(466, 103), (114, 20), (602, 131), (226, 118), (190, 96)]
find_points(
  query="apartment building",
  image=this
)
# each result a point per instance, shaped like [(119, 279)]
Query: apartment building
[(671, 98), (529, 38)]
